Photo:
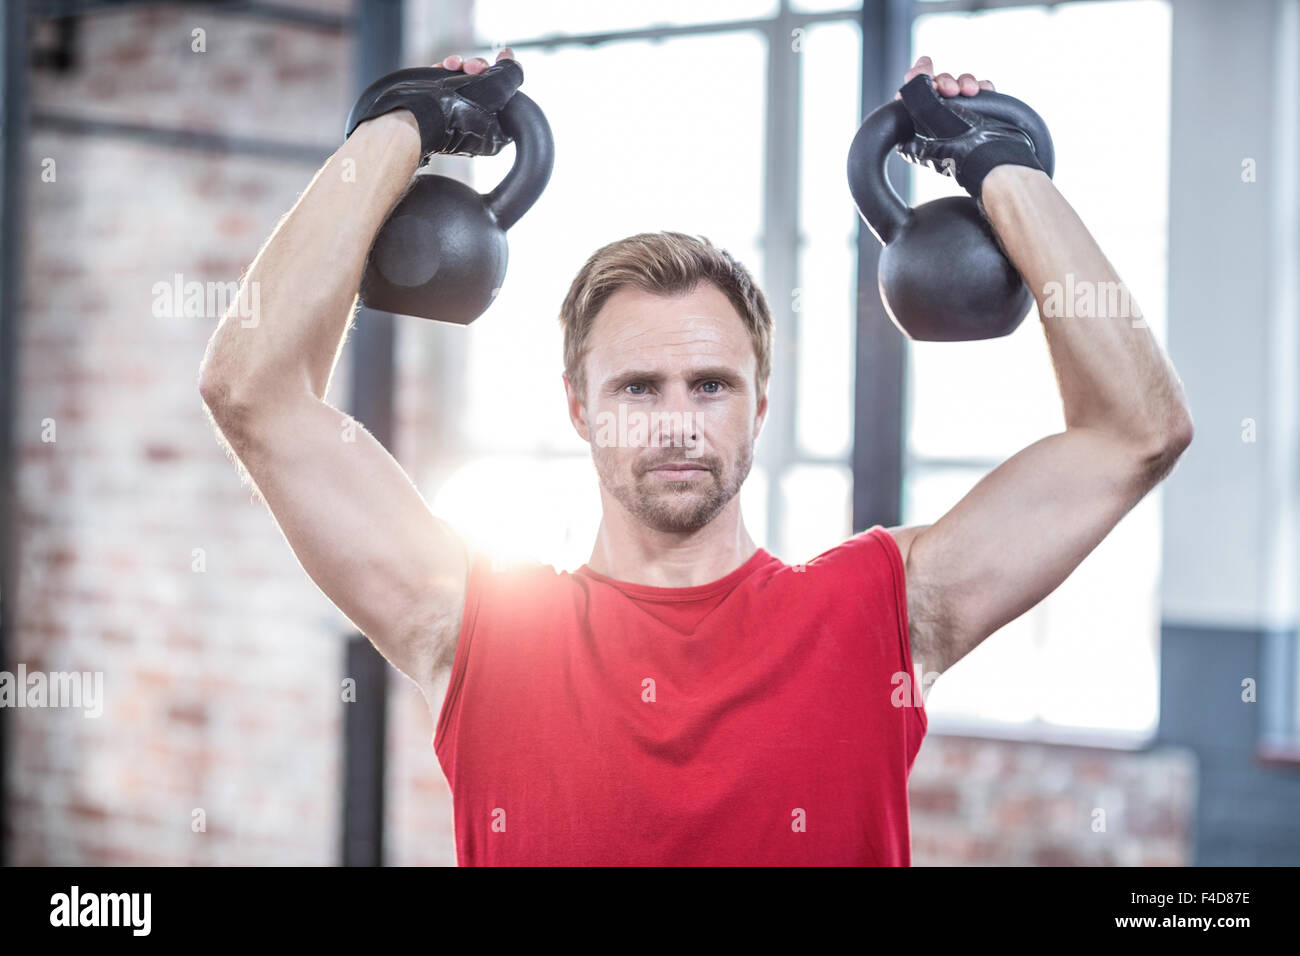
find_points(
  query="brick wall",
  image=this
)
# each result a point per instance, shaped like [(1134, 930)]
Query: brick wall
[(222, 685), (978, 802)]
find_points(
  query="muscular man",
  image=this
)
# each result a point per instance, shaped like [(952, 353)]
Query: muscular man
[(685, 697)]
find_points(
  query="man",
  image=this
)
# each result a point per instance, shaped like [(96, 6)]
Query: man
[(685, 697)]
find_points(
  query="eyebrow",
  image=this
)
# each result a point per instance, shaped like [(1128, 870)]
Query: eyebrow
[(626, 377)]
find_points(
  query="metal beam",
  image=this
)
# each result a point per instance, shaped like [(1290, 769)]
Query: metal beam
[(979, 6), (175, 138), (763, 24), (379, 51), (781, 261), (13, 106), (879, 383), (287, 13)]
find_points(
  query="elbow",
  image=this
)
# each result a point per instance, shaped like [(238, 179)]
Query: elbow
[(228, 403), (239, 405), (216, 390), (213, 390), (1179, 434), (1159, 457), (1183, 436)]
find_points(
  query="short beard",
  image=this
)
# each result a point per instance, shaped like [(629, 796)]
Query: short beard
[(676, 507)]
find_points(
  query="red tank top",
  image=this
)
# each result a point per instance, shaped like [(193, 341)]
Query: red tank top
[(767, 718)]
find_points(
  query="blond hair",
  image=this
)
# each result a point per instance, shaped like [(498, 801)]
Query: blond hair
[(661, 263)]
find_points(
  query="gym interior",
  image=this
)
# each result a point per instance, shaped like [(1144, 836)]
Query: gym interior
[(1147, 713)]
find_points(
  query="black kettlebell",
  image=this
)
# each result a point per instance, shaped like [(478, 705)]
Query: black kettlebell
[(441, 254), (943, 277)]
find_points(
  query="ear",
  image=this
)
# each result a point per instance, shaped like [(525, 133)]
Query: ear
[(577, 411), (761, 416)]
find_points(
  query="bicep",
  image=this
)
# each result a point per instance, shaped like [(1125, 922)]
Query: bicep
[(1015, 537), (360, 529)]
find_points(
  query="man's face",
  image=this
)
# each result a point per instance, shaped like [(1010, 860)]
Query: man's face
[(670, 410)]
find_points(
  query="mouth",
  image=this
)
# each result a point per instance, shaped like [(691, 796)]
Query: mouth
[(679, 470)]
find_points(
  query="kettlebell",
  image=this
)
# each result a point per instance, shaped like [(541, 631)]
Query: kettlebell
[(943, 277), (441, 254)]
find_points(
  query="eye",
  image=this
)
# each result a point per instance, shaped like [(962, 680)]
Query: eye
[(713, 382), (631, 387)]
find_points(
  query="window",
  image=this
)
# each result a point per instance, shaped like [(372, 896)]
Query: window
[(817, 488), (683, 138)]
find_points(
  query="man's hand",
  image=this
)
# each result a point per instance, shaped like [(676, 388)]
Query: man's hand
[(456, 108), (955, 140), (944, 84), (474, 65)]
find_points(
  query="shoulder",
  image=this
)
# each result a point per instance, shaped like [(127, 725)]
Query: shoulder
[(903, 536), (872, 540), (499, 594), (877, 553), (494, 577)]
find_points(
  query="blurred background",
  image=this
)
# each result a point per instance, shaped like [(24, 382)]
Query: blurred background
[(151, 146)]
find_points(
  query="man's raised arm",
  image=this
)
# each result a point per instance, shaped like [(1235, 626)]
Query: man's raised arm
[(352, 516), (1017, 535)]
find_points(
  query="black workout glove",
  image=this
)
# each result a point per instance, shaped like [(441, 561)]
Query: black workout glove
[(959, 142), (456, 111)]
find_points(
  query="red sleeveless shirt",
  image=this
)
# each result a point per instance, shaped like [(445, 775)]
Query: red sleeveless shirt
[(767, 718)]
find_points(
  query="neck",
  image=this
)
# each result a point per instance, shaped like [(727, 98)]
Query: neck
[(628, 550)]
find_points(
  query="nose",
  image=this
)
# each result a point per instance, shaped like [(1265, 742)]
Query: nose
[(674, 425)]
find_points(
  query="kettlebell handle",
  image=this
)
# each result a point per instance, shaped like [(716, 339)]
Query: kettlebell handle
[(523, 121), (887, 126)]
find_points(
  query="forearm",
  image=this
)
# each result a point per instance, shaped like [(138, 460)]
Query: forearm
[(1112, 374), (295, 302)]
